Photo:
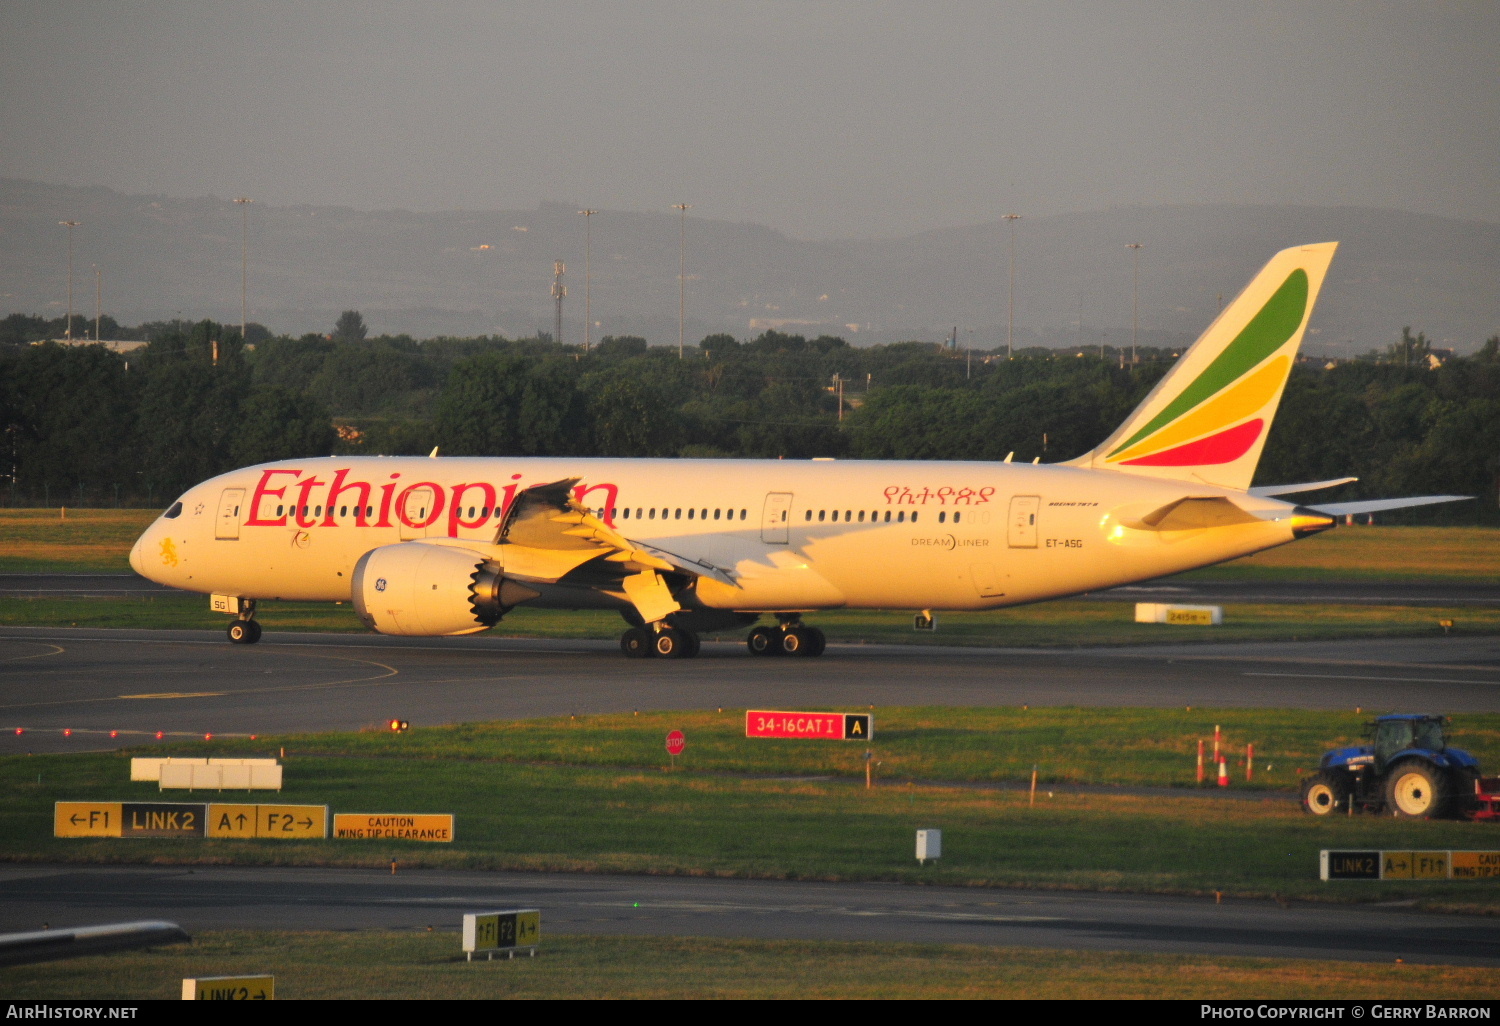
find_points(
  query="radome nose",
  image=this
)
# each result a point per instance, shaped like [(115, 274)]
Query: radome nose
[(135, 554)]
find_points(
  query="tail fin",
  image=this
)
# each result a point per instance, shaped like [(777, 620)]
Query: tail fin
[(1207, 420)]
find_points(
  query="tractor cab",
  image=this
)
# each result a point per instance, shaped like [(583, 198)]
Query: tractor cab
[(1396, 735)]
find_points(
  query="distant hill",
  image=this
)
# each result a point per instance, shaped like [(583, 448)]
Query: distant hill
[(474, 272)]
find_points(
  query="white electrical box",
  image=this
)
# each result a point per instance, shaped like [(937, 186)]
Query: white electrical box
[(929, 845)]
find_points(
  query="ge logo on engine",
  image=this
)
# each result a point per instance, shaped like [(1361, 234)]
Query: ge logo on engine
[(380, 584)]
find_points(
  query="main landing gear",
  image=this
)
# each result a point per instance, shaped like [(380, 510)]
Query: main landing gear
[(667, 643), (244, 631), (790, 638)]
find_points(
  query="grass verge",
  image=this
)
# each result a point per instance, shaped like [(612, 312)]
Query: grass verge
[(529, 815), (377, 965), (1068, 745)]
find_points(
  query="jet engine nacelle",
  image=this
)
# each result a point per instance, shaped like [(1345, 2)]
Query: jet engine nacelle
[(424, 590)]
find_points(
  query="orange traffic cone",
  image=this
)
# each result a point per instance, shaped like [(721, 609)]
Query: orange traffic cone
[(1223, 774)]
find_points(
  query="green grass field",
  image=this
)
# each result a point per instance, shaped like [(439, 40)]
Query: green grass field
[(332, 966), (527, 798), (1115, 746)]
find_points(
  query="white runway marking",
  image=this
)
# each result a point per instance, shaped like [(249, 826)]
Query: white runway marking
[(1388, 680)]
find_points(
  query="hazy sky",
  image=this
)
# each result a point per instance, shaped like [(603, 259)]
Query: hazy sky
[(820, 119)]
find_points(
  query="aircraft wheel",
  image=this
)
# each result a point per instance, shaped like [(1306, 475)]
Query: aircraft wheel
[(636, 643), (763, 641), (817, 641), (695, 644), (244, 632), (795, 642), (671, 643)]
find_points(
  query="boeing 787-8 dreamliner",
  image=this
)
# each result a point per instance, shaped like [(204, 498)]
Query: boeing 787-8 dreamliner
[(438, 546)]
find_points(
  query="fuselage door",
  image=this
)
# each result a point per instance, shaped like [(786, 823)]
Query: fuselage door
[(227, 527), (416, 512), (1023, 513), (774, 517)]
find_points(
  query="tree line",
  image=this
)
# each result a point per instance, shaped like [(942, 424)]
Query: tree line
[(87, 426)]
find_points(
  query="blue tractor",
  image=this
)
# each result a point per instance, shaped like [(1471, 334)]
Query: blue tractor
[(1406, 769)]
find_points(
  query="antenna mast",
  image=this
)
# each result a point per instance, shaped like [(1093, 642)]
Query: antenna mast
[(559, 291)]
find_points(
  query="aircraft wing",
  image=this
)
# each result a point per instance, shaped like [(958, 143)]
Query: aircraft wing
[(546, 533), (1293, 489), (1339, 509)]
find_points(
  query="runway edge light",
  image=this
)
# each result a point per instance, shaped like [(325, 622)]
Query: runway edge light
[(398, 726)]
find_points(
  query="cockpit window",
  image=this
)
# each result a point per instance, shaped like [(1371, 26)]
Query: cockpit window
[(174, 512)]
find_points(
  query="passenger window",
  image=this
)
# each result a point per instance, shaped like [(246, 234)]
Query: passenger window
[(653, 513), (626, 513), (716, 514), (901, 517), (914, 516), (690, 514), (821, 514), (956, 515), (848, 516), (278, 511), (861, 516), (742, 514), (176, 511), (942, 517), (369, 511), (809, 514), (677, 515)]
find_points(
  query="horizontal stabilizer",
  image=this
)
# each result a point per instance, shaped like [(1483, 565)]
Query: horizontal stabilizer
[(1194, 513), (1295, 489), (1340, 509)]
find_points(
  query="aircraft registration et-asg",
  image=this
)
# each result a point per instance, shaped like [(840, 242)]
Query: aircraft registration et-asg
[(439, 546)]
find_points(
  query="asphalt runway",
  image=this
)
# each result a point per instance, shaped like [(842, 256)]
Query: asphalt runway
[(190, 683), (1164, 590), (218, 898)]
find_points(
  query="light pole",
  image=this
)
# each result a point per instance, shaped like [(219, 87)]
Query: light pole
[(1135, 292), (244, 205), (1010, 317), (98, 296), (681, 273), (588, 241), (70, 225)]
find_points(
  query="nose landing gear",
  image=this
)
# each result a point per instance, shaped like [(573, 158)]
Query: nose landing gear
[(244, 630)]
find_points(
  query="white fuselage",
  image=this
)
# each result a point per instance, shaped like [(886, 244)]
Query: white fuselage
[(791, 534)]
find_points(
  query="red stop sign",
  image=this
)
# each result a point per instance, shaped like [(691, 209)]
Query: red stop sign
[(676, 742)]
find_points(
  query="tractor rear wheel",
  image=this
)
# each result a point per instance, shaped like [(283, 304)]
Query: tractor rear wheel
[(1416, 790), (1324, 793)]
